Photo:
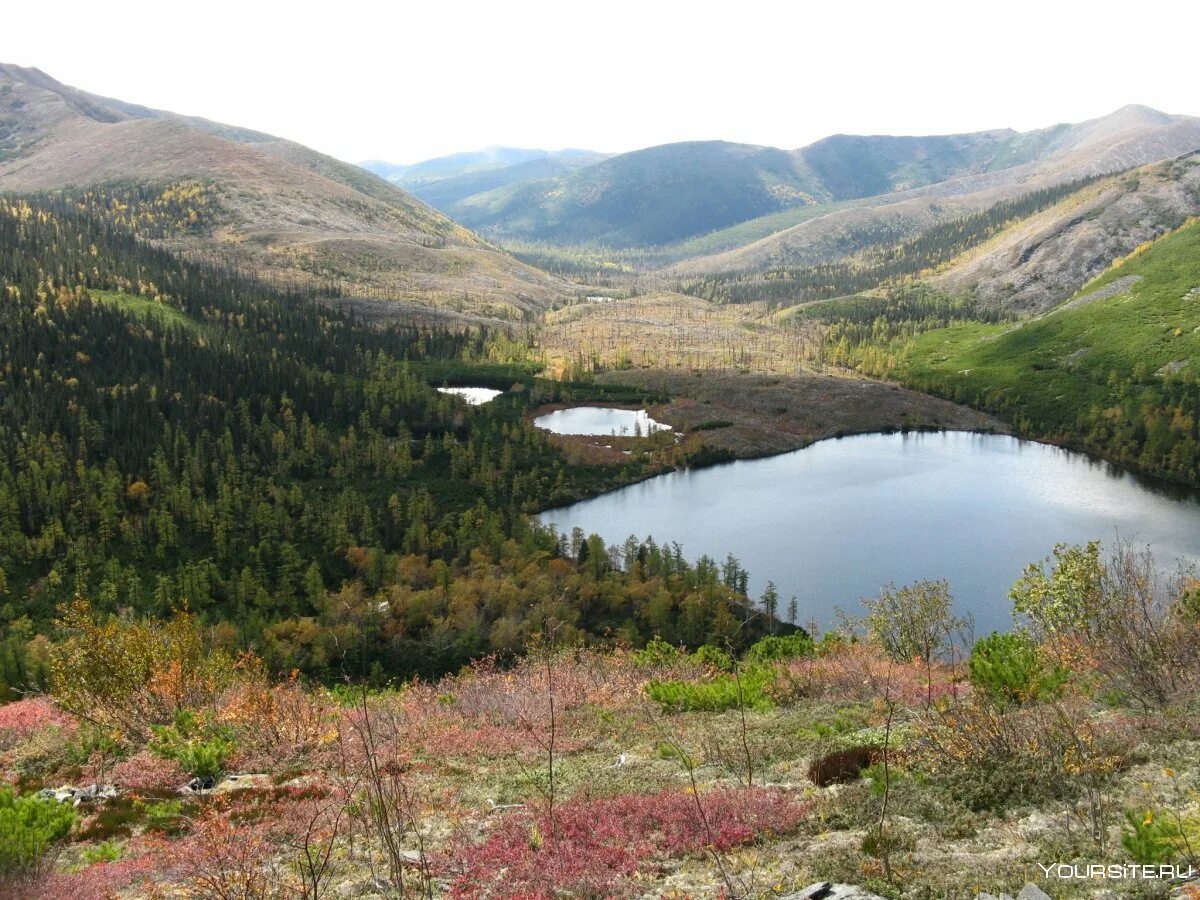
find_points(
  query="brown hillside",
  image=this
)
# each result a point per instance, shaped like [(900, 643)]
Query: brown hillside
[(285, 210)]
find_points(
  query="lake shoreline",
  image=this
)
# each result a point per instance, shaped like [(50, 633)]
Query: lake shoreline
[(834, 523)]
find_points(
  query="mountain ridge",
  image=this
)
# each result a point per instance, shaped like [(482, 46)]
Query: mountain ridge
[(672, 193), (287, 210)]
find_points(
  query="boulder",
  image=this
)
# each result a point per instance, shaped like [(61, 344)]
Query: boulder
[(232, 783), (1029, 892), (828, 890), (93, 793)]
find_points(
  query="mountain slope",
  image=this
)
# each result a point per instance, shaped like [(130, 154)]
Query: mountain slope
[(680, 195), (280, 209), (1112, 370), (491, 159), (647, 197), (1133, 136), (1041, 261)]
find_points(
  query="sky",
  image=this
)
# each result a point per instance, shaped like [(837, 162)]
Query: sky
[(404, 81)]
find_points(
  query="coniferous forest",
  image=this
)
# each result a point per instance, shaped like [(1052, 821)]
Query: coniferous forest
[(180, 435)]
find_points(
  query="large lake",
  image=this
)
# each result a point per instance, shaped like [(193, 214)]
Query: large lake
[(832, 523)]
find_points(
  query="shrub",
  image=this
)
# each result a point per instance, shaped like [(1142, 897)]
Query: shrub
[(776, 648), (710, 657), (146, 771), (1008, 669), (164, 816), (596, 848), (657, 653), (105, 851), (915, 621), (201, 750), (719, 693), (1150, 839), (129, 676), (1130, 622), (29, 826)]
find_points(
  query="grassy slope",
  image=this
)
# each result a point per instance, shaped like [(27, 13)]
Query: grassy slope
[(1154, 323), (149, 310)]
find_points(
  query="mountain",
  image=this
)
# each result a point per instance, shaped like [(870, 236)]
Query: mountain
[(676, 192), (274, 207), (1132, 136), (491, 159), (647, 197)]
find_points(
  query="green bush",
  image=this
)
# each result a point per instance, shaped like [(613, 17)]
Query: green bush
[(105, 851), (1151, 840), (201, 750), (29, 826), (711, 657), (776, 648), (714, 694), (657, 652), (1008, 669), (163, 816)]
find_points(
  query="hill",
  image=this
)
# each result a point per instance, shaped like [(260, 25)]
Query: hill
[(1021, 164), (724, 206), (274, 207), (647, 197), (1110, 370), (491, 159), (1044, 259)]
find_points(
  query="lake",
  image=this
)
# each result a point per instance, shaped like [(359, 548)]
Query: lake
[(599, 420), (476, 396), (832, 523)]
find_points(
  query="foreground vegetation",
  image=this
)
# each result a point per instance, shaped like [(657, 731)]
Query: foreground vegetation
[(885, 755)]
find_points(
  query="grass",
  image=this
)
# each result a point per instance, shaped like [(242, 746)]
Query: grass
[(148, 310), (1051, 367)]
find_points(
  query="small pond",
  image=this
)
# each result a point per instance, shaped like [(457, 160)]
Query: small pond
[(599, 420), (476, 396)]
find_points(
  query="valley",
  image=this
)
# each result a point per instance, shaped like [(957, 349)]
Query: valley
[(709, 519)]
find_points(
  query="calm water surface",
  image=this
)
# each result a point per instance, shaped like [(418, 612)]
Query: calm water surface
[(476, 396), (832, 523), (599, 420)]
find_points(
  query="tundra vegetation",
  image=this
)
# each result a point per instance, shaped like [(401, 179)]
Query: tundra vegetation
[(891, 752)]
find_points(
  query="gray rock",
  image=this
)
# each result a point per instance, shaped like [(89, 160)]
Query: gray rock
[(199, 785), (1029, 892), (93, 793), (828, 890)]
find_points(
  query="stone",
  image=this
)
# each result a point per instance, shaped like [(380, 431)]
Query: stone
[(1029, 892), (232, 783), (828, 890), (93, 793), (199, 785)]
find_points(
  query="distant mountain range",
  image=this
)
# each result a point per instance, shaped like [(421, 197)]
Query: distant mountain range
[(672, 193), (284, 210)]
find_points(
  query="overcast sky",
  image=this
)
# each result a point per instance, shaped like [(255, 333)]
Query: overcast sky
[(405, 81)]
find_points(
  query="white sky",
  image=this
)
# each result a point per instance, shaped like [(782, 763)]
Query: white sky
[(404, 81)]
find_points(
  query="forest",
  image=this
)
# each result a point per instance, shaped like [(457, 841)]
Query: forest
[(176, 435)]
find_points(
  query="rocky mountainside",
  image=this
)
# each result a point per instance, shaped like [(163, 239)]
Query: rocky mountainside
[(280, 209), (1046, 258)]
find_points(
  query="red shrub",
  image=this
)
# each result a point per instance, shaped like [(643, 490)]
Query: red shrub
[(594, 847), (99, 881), (22, 718), (146, 772)]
